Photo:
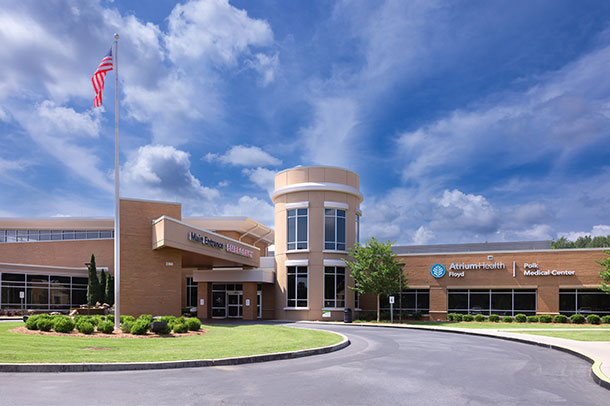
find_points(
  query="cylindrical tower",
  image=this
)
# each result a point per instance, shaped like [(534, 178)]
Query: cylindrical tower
[(317, 219)]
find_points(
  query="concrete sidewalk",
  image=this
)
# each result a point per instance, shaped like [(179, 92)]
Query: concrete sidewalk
[(596, 352)]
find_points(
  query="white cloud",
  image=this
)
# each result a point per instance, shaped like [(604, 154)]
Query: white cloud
[(242, 155), (596, 231), (535, 233), (252, 207), (262, 177), (163, 172), (422, 236), (458, 210)]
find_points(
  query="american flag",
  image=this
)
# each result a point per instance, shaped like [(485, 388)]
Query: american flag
[(99, 76)]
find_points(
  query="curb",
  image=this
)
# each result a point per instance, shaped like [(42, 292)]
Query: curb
[(136, 366), (596, 374)]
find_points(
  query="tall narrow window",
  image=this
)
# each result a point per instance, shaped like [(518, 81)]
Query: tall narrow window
[(297, 286), (191, 293), (357, 239), (334, 286), (297, 229), (334, 229)]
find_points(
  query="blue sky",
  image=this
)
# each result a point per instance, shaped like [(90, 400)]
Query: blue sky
[(467, 121)]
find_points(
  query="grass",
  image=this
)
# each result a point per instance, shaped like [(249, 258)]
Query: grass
[(585, 335), (498, 326), (220, 342)]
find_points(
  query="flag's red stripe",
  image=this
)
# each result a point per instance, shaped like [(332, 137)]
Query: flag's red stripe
[(98, 79)]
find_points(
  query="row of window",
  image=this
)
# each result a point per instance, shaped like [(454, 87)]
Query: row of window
[(53, 235), (42, 292), (334, 229)]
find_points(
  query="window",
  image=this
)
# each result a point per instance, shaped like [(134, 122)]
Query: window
[(585, 301), (297, 229), (191, 293), (42, 292), (334, 286), (52, 235), (297, 286), (407, 303), (504, 302), (334, 229), (357, 239)]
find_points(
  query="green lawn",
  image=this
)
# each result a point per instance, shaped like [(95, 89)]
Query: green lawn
[(499, 326), (220, 342), (585, 335)]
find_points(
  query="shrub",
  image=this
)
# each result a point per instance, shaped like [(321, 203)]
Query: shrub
[(140, 327), (85, 327), (106, 327), (45, 324), (458, 317), (479, 318), (468, 317), (532, 319), (560, 318), (180, 328), (494, 318), (32, 322), (575, 318), (193, 324), (126, 326), (605, 319), (545, 318), (126, 317), (450, 317), (507, 319), (593, 319), (147, 317), (64, 324), (520, 318)]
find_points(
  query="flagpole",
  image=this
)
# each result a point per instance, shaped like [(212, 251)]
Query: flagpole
[(117, 217)]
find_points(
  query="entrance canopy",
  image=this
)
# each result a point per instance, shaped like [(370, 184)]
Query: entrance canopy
[(202, 248)]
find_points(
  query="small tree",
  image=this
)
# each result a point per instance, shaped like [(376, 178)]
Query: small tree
[(375, 270), (93, 287), (103, 286), (110, 290), (605, 274)]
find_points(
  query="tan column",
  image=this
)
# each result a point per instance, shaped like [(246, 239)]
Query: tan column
[(438, 303), (548, 300), (249, 311), (203, 294)]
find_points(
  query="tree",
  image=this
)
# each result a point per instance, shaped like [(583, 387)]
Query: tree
[(375, 270), (605, 274), (103, 286), (110, 290), (93, 287)]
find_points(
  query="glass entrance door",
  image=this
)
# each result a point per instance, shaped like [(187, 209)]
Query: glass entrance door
[(234, 304)]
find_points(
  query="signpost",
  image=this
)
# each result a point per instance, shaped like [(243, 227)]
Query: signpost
[(21, 296), (391, 309)]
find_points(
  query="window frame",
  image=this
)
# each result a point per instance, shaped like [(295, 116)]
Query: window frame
[(336, 244), (296, 287), (296, 242), (335, 299)]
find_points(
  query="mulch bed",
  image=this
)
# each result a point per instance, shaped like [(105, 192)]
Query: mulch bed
[(116, 334)]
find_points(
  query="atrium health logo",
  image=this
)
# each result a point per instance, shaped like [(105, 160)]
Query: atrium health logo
[(438, 271)]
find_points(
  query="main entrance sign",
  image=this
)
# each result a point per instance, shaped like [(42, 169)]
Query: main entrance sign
[(204, 240)]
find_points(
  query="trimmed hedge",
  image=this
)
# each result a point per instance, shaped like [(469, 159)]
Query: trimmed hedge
[(85, 327), (520, 318), (458, 317), (468, 317), (545, 318), (106, 327), (561, 318), (63, 324), (577, 319), (126, 326), (606, 319), (507, 319), (147, 317), (494, 318), (45, 324), (593, 319), (180, 328), (193, 324), (450, 317), (140, 327), (479, 318), (532, 319), (32, 322)]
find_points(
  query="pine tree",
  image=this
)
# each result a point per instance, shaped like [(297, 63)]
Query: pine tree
[(93, 287), (110, 290), (103, 287)]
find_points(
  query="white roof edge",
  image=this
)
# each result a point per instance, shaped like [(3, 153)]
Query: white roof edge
[(133, 199), (45, 266), (314, 166), (69, 218)]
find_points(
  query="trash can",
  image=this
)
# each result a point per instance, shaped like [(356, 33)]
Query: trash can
[(347, 315)]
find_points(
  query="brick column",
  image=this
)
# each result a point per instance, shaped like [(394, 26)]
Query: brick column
[(548, 300), (203, 293), (438, 303), (249, 312)]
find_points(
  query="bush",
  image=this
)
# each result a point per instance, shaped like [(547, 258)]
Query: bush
[(520, 318), (560, 318), (593, 319), (545, 318), (450, 317), (494, 318), (193, 324), (106, 327), (126, 317), (85, 327), (468, 317), (458, 317), (507, 319), (575, 318), (605, 319), (147, 317), (140, 327), (532, 319), (479, 318), (180, 328), (64, 324), (45, 324), (32, 322), (126, 326)]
